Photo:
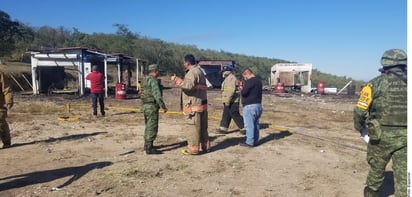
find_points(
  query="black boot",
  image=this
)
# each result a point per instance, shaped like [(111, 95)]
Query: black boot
[(367, 192), (7, 143), (145, 147), (150, 150)]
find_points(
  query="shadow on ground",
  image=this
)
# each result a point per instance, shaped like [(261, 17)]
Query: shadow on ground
[(65, 138), (32, 178), (234, 141), (173, 146)]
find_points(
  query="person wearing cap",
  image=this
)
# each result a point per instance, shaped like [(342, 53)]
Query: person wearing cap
[(152, 101), (382, 110), (194, 98), (6, 103), (96, 79), (230, 99)]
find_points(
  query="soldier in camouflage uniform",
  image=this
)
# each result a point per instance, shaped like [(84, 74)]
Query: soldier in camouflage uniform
[(230, 99), (382, 110), (194, 98), (6, 103), (152, 101)]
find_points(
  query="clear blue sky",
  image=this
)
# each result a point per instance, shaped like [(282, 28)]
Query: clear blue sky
[(341, 37)]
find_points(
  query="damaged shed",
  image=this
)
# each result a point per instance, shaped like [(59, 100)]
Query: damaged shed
[(50, 68), (292, 76)]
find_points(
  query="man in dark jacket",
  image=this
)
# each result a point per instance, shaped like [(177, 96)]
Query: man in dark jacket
[(252, 107)]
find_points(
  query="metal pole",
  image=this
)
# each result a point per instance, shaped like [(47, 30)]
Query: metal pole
[(81, 73), (34, 75), (137, 74), (344, 87), (119, 80), (22, 89), (27, 81), (105, 76)]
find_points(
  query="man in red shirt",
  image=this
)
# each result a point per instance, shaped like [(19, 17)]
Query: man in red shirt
[(96, 79)]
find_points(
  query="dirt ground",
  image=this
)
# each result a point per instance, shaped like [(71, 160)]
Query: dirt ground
[(308, 147)]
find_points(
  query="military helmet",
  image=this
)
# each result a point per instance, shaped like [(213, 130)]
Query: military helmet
[(393, 57), (153, 67)]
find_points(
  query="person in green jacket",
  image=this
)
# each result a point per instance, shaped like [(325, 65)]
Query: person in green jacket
[(382, 111), (152, 101)]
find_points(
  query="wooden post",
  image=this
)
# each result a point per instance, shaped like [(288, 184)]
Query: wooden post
[(17, 82)]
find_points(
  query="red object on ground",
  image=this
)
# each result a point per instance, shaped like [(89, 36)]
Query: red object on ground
[(120, 91), (321, 87), (279, 88)]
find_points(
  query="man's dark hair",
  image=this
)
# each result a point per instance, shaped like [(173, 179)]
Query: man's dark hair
[(248, 70), (190, 58)]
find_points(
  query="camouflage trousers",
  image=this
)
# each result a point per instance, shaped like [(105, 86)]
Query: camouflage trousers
[(151, 120), (393, 145), (4, 128)]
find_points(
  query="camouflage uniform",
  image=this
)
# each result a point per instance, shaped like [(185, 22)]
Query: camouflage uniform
[(194, 100), (152, 101), (6, 102), (230, 100), (382, 109)]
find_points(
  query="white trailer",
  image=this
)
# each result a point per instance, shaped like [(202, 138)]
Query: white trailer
[(292, 75)]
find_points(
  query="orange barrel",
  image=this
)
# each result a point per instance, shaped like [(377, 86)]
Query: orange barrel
[(321, 87), (120, 91), (279, 88)]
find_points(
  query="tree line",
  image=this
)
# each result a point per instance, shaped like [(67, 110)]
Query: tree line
[(17, 38)]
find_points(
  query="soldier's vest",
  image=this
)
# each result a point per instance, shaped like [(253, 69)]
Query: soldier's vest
[(147, 94), (390, 106)]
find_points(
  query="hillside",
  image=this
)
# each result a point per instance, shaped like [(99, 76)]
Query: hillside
[(22, 38)]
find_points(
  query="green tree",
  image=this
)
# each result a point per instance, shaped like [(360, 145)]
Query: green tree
[(48, 37), (76, 38), (10, 33)]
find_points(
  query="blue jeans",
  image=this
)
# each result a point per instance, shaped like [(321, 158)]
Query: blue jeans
[(98, 97), (251, 115)]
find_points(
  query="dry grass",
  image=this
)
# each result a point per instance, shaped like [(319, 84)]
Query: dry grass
[(15, 67), (39, 108)]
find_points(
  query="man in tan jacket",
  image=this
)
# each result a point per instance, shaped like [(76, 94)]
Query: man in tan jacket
[(194, 96), (230, 100), (6, 103)]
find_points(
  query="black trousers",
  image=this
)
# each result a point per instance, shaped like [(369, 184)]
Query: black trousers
[(98, 97), (231, 112)]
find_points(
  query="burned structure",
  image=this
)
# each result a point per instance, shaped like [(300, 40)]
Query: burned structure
[(292, 76), (50, 70)]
